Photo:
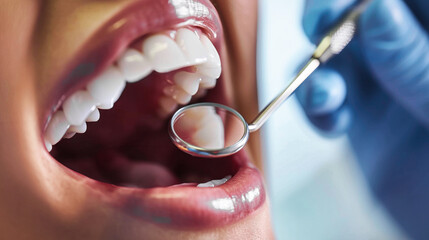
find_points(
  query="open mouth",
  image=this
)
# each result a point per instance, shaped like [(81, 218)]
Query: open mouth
[(108, 118)]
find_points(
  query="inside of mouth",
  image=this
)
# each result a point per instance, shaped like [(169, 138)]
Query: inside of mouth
[(130, 146)]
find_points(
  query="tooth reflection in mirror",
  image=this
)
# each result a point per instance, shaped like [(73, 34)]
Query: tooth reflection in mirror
[(208, 130)]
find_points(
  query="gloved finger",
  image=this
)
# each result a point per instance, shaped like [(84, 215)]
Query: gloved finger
[(396, 48), (320, 15), (420, 10), (323, 99), (324, 92), (334, 123)]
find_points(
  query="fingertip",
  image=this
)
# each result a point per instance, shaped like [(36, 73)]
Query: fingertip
[(324, 92), (335, 123)]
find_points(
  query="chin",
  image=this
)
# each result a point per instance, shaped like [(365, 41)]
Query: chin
[(94, 159)]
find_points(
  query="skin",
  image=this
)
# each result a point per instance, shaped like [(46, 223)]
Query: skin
[(37, 201)]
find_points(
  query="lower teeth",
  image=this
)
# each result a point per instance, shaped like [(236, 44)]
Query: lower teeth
[(214, 183)]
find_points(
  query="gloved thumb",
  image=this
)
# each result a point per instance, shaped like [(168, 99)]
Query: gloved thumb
[(396, 48), (393, 43)]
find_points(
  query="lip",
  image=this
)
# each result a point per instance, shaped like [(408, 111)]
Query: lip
[(183, 206), (187, 206)]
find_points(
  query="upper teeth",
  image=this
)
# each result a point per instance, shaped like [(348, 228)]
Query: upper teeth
[(162, 54), (189, 82), (57, 127), (106, 88), (134, 65), (78, 107)]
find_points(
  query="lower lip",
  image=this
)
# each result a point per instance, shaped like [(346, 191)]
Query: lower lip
[(186, 206)]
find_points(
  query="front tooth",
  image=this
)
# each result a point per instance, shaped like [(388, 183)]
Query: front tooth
[(57, 127), (191, 46), (107, 87), (214, 183), (94, 116), (48, 145), (79, 129), (134, 66), (189, 82), (78, 107), (212, 68), (163, 53)]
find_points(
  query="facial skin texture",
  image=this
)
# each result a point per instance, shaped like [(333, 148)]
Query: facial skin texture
[(37, 201)]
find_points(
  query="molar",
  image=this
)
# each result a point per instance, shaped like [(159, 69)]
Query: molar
[(181, 97), (189, 82)]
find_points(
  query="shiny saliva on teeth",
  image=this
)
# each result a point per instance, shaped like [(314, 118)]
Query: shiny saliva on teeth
[(213, 130)]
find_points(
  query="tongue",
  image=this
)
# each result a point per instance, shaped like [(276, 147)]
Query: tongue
[(135, 173), (147, 175)]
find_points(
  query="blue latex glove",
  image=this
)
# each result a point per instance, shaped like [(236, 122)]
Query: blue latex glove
[(378, 91)]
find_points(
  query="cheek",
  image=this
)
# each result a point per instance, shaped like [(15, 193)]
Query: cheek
[(17, 23), (17, 20), (239, 20), (238, 15)]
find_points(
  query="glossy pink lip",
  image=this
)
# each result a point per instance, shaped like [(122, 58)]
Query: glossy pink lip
[(185, 206)]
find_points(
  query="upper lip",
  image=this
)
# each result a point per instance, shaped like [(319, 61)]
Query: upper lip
[(108, 42), (183, 207)]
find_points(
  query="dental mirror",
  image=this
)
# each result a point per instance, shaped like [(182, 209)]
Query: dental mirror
[(213, 130), (208, 130)]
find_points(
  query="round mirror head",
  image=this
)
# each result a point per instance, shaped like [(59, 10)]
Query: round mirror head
[(208, 130)]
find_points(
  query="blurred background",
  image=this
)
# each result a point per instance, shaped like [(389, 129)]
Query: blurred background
[(317, 190)]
